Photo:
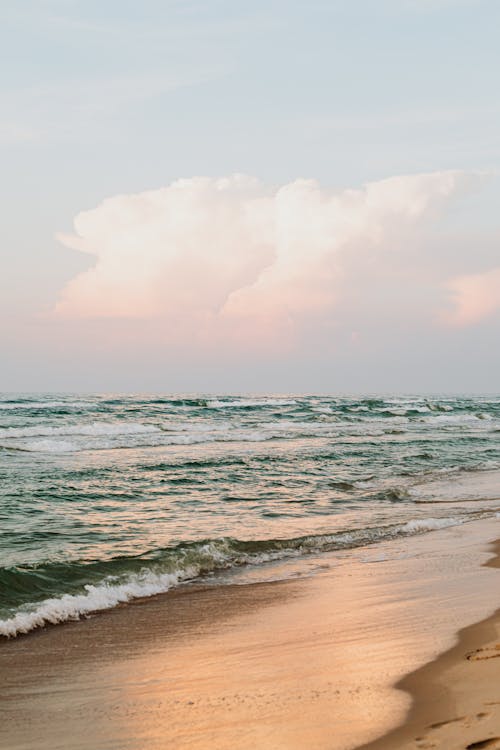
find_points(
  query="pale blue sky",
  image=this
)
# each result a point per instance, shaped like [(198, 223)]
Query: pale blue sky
[(105, 98)]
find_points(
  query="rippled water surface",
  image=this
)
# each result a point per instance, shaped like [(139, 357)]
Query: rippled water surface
[(105, 498)]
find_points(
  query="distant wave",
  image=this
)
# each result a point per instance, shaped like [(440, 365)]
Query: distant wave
[(121, 580), (122, 434), (252, 403), (94, 429), (41, 438), (36, 405), (60, 424)]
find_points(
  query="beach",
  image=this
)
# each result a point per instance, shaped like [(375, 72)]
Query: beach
[(235, 572), (249, 402), (456, 697), (338, 657)]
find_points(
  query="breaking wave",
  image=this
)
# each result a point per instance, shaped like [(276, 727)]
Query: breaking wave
[(58, 592)]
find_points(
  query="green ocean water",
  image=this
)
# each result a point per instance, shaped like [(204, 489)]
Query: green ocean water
[(106, 498)]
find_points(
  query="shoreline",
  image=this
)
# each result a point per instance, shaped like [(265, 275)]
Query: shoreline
[(456, 697), (306, 662)]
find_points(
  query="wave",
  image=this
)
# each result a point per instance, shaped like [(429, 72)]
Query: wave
[(419, 525), (249, 403), (107, 435), (52, 439), (157, 439), (93, 429), (121, 580), (439, 407), (233, 419), (341, 484), (392, 495), (462, 418), (95, 599), (36, 405)]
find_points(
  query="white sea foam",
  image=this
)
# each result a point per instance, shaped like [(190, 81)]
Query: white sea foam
[(69, 438), (97, 598), (404, 411), (419, 525), (109, 593), (52, 440), (439, 407), (456, 419), (48, 446), (209, 556), (93, 429)]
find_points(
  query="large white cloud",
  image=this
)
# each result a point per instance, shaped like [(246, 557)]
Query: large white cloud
[(183, 247), (231, 254)]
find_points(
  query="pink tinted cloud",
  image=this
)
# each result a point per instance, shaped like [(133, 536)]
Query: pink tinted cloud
[(474, 297), (230, 259)]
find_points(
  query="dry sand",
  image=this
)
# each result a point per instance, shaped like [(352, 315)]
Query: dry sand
[(306, 663)]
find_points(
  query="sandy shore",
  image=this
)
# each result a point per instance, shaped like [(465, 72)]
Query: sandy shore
[(309, 662), (456, 698)]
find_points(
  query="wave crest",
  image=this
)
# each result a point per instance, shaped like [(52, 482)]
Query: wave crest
[(139, 577)]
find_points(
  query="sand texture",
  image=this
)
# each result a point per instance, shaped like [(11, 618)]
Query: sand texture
[(456, 698)]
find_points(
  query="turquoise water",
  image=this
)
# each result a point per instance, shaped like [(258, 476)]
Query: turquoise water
[(106, 498)]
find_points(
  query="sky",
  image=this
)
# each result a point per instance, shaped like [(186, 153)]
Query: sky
[(242, 197)]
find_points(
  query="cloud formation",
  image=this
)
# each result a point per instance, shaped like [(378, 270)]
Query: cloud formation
[(232, 257), (475, 297)]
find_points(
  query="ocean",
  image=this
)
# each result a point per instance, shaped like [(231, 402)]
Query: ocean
[(108, 498)]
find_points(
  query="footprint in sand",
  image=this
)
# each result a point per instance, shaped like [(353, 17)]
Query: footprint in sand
[(493, 743), (467, 720), (439, 724), (491, 652), (471, 720)]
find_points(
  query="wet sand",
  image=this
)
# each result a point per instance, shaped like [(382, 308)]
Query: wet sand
[(309, 662), (456, 698)]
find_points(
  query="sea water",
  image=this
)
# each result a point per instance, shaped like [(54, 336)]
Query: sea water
[(106, 498)]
